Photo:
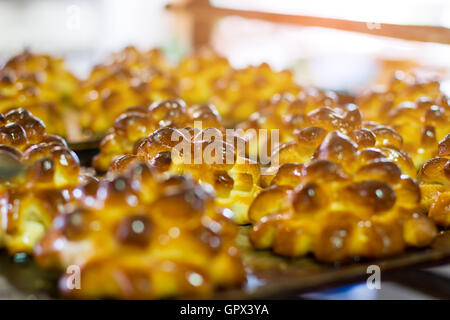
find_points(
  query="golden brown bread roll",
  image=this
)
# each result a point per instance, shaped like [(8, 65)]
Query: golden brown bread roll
[(128, 78), (198, 73), (416, 108), (41, 84), (306, 130), (30, 200), (206, 76), (287, 113), (349, 201), (242, 91), (213, 158), (139, 235), (435, 184), (138, 122), (132, 59)]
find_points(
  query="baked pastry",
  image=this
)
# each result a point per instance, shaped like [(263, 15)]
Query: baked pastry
[(139, 235), (214, 158), (242, 91), (285, 113), (307, 131), (127, 79), (435, 184), (376, 137), (41, 84), (138, 122), (132, 59), (30, 199), (237, 93), (416, 108), (349, 201), (198, 73), (377, 102)]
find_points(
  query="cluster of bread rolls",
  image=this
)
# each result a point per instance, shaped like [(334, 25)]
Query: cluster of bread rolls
[(49, 170), (198, 74), (131, 78), (435, 184), (350, 200), (128, 78), (242, 91), (132, 233), (348, 177), (139, 235), (213, 158), (347, 120), (416, 108), (41, 84), (139, 122)]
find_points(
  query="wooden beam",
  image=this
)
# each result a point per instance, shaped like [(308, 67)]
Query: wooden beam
[(204, 11)]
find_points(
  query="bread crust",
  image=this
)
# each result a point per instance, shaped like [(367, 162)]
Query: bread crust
[(30, 200), (141, 235)]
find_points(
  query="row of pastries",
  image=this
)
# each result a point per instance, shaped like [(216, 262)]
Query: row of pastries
[(44, 85), (365, 179), (134, 233)]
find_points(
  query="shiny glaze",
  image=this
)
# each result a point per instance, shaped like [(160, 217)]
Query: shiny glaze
[(30, 200), (140, 227)]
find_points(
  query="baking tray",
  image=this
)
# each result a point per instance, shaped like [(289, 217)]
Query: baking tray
[(268, 275), (271, 276), (86, 150), (92, 143)]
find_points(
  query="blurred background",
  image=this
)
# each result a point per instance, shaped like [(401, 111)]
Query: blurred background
[(341, 45)]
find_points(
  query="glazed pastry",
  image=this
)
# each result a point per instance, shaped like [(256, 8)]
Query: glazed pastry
[(313, 127), (241, 92), (127, 79), (30, 200), (132, 59), (41, 84), (198, 73), (139, 235), (350, 201), (237, 93), (214, 159), (415, 108), (288, 112), (138, 122), (435, 184)]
